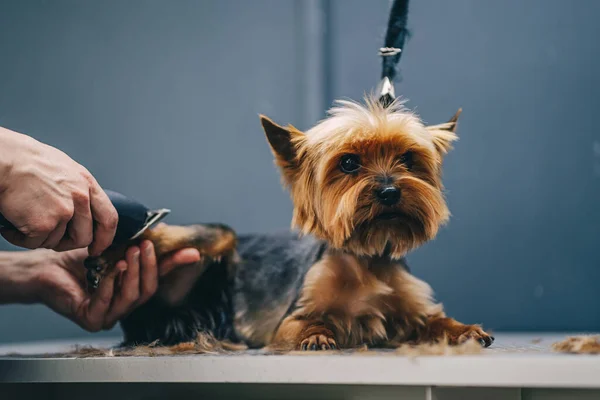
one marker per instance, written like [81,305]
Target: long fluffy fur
[343,282]
[311,173]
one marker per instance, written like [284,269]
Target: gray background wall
[159,99]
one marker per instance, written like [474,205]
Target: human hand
[53,201]
[62,284]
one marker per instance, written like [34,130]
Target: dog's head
[367,179]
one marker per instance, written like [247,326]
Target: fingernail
[136,256]
[148,249]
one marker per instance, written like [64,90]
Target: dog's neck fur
[369,262]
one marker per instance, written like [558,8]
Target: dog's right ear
[283,142]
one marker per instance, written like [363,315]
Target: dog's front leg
[417,318]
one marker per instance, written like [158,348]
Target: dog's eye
[407,159]
[349,163]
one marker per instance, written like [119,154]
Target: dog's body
[248,299]
[236,299]
[366,185]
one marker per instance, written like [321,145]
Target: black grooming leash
[392,51]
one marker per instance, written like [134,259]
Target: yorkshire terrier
[366,184]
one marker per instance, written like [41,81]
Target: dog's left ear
[283,141]
[444,134]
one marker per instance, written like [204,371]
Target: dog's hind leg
[190,300]
[215,242]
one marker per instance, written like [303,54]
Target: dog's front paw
[456,333]
[474,332]
[317,338]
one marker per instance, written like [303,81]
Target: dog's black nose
[388,195]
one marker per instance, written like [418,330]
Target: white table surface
[513,361]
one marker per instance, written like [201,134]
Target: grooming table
[517,366]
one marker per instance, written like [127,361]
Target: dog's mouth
[390,215]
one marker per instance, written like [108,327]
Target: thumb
[177,259]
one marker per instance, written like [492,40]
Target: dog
[366,185]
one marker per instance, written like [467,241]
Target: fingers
[80,228]
[96,308]
[65,228]
[181,257]
[55,236]
[105,219]
[46,237]
[138,284]
[18,239]
[22,240]
[37,225]
[129,290]
[148,273]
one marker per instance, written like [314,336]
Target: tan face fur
[337,170]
